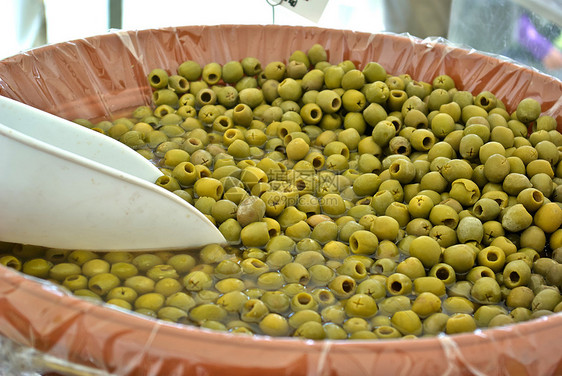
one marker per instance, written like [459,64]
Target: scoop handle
[75,138]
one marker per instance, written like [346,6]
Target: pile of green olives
[356,204]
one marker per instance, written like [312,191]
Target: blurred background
[528,31]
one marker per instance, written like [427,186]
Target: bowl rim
[29,287]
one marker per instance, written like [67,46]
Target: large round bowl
[106,75]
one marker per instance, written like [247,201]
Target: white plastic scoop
[65,186]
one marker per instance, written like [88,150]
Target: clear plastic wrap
[105,76]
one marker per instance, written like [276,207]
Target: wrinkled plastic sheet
[105,76]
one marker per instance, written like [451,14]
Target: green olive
[407,322]
[516,273]
[461,257]
[37,267]
[426,304]
[427,250]
[102,283]
[59,272]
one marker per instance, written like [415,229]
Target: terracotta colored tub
[106,75]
